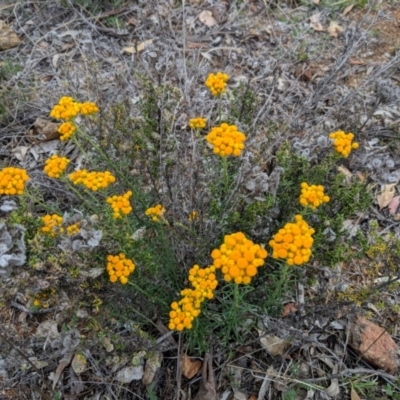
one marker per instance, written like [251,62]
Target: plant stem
[225,176]
[283,278]
[104,156]
[79,195]
[139,289]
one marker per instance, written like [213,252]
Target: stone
[373,344]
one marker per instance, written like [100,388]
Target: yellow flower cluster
[67,108]
[197,123]
[217,83]
[119,268]
[52,225]
[55,166]
[66,130]
[342,142]
[193,216]
[92,180]
[88,108]
[120,204]
[12,181]
[226,140]
[155,212]
[73,229]
[312,195]
[238,258]
[37,303]
[184,311]
[293,242]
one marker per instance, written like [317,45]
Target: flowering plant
[55,166]
[238,258]
[312,195]
[343,142]
[184,311]
[120,204]
[119,268]
[12,181]
[198,123]
[217,83]
[92,180]
[293,242]
[226,140]
[155,212]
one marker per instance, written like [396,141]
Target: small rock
[79,363]
[374,344]
[129,374]
[239,395]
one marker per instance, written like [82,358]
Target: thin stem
[225,176]
[79,195]
[139,289]
[104,156]
[283,278]
[143,316]
[236,296]
[219,108]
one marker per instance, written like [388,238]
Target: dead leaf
[64,362]
[153,364]
[386,195]
[137,49]
[303,73]
[19,152]
[289,308]
[47,329]
[207,55]
[190,367]
[273,344]
[394,203]
[334,29]
[196,45]
[360,176]
[43,130]
[354,395]
[315,1]
[333,389]
[315,24]
[206,17]
[348,175]
[207,389]
[55,60]
[8,38]
[354,61]
[347,9]
[76,382]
